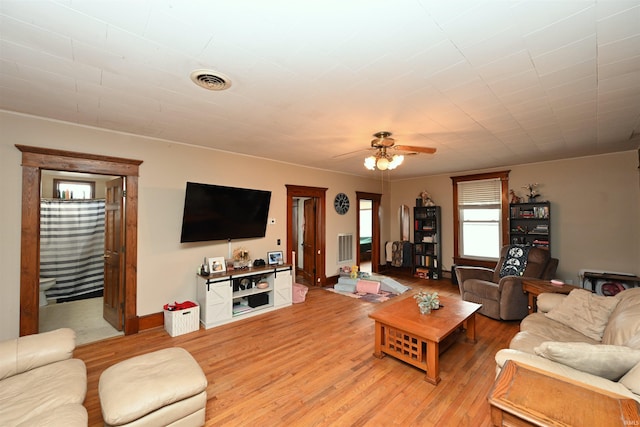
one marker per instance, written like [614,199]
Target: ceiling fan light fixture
[383,163]
[370,163]
[396,161]
[382,159]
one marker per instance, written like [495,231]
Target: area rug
[379,297]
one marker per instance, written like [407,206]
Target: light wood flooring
[312,364]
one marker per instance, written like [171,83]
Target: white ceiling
[488,83]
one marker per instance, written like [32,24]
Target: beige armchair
[502,298]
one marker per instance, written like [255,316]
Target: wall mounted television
[215,212]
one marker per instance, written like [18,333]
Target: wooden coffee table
[418,339]
[526,396]
[535,287]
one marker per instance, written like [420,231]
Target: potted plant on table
[427,301]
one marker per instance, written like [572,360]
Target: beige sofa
[40,383]
[587,338]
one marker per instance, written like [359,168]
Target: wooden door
[309,241]
[113,253]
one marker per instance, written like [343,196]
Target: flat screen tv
[215,212]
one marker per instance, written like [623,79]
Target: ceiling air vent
[210,80]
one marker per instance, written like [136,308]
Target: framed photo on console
[217,265]
[275,257]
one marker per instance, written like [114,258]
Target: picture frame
[275,257]
[217,265]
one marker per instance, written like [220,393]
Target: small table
[418,339]
[535,287]
[526,396]
[594,278]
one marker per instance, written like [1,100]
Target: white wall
[595,209]
[595,202]
[166,268]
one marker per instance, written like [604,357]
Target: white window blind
[478,193]
[479,204]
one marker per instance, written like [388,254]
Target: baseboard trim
[151,321]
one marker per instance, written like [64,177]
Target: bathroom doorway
[72,254]
[36,159]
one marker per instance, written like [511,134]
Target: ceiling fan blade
[362,151]
[426,150]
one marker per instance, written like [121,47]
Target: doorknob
[105,256]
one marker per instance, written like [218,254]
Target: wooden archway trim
[34,159]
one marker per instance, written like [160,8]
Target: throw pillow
[585,312]
[607,361]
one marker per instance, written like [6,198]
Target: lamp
[383,161]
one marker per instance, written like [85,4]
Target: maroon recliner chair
[502,298]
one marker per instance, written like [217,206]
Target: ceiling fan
[382,159]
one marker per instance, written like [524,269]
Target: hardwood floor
[312,364]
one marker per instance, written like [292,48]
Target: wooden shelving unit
[427,249]
[530,224]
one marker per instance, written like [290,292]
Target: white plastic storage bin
[179,322]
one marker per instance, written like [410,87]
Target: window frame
[503,176]
[57,182]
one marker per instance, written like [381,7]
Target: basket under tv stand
[233,295]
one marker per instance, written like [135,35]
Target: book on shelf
[541,212]
[540,229]
[423,260]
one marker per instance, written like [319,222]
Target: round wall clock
[341,203]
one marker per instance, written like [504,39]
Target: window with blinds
[479,209]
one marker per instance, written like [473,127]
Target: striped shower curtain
[71,246]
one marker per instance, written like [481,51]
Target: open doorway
[368,239]
[34,160]
[304,239]
[72,254]
[365,215]
[306,234]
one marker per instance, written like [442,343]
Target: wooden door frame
[375,228]
[294,191]
[34,159]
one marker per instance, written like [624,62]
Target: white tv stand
[222,299]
